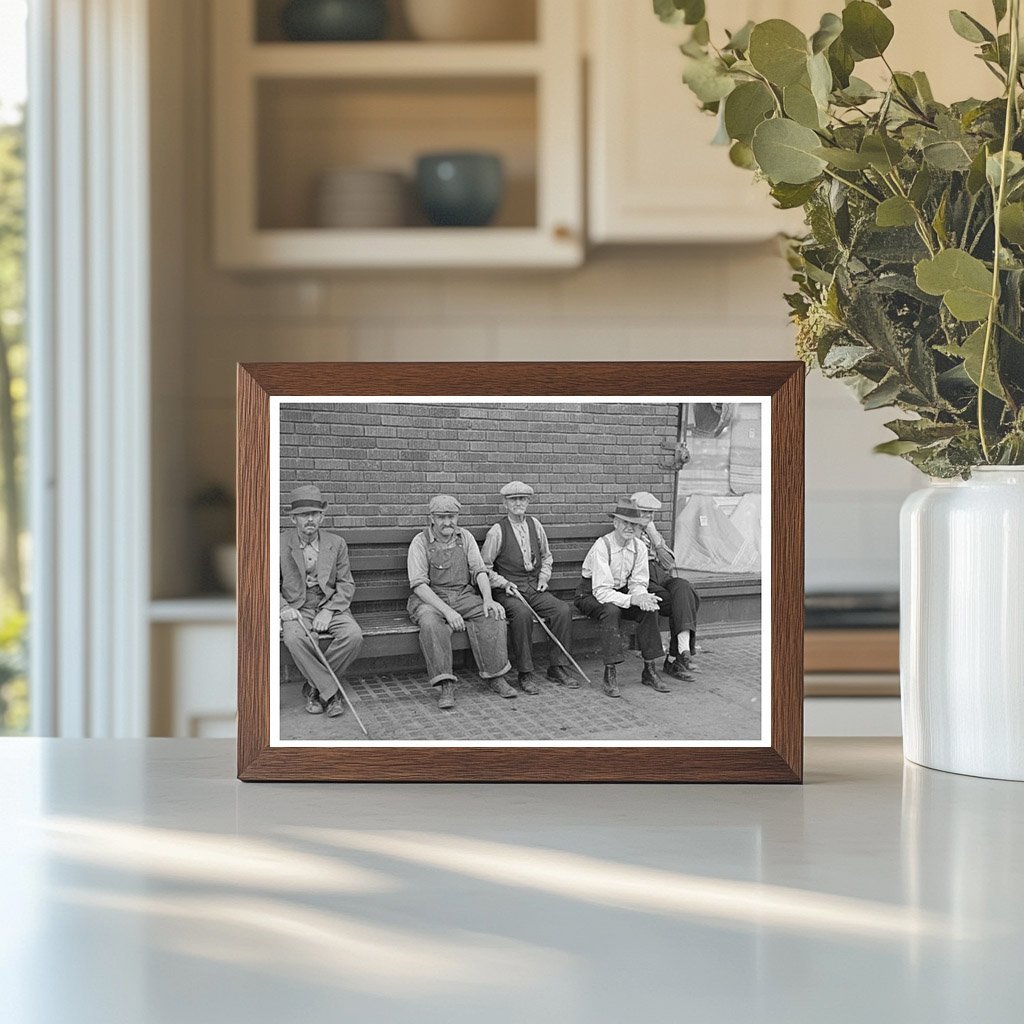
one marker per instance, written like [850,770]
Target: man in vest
[517,553]
[444,562]
[614,586]
[679,601]
[317,589]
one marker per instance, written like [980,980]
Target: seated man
[317,589]
[444,560]
[679,601]
[614,587]
[517,553]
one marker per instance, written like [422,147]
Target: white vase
[962,624]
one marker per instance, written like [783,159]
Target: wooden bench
[730,602]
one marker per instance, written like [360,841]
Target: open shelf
[519,17]
[287,113]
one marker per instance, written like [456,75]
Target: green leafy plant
[910,278]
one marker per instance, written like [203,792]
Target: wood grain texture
[781,762]
[852,650]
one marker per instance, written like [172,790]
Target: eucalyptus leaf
[676,12]
[885,394]
[866,29]
[971,352]
[895,447]
[994,167]
[739,41]
[895,212]
[883,153]
[788,196]
[946,156]
[741,155]
[999,8]
[841,60]
[963,281]
[707,80]
[820,76]
[745,108]
[701,33]
[969,28]
[976,173]
[785,152]
[829,30]
[844,159]
[924,88]
[1011,225]
[800,105]
[779,51]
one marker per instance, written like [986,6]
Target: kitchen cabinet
[653,175]
[287,113]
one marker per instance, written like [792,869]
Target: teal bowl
[333,21]
[462,190]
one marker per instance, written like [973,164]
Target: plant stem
[993,308]
[855,187]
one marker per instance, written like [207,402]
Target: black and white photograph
[520,571]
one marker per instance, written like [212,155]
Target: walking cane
[323,658]
[544,626]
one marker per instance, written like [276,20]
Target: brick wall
[378,464]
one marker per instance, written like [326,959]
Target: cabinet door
[653,175]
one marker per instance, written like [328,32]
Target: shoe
[677,669]
[336,706]
[446,699]
[526,683]
[501,688]
[687,659]
[650,677]
[560,676]
[611,684]
[313,705]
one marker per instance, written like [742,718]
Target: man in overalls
[613,587]
[516,551]
[679,601]
[444,561]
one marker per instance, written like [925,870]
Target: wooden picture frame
[777,756]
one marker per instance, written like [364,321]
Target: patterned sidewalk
[723,703]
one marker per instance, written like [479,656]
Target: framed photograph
[520,572]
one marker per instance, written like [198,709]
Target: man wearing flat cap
[317,589]
[679,601]
[444,562]
[614,586]
[517,553]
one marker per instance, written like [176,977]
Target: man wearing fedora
[614,586]
[444,563]
[317,589]
[517,553]
[679,601]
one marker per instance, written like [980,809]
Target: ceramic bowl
[470,20]
[460,189]
[334,20]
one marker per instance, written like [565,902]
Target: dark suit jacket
[333,572]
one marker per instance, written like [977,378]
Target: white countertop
[143,884]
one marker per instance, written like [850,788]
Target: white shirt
[627,568]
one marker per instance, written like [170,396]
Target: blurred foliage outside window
[14,706]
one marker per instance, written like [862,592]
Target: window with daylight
[14,704]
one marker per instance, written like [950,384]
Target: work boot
[501,688]
[560,676]
[446,698]
[687,659]
[526,683]
[677,668]
[650,677]
[313,705]
[611,684]
[336,706]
